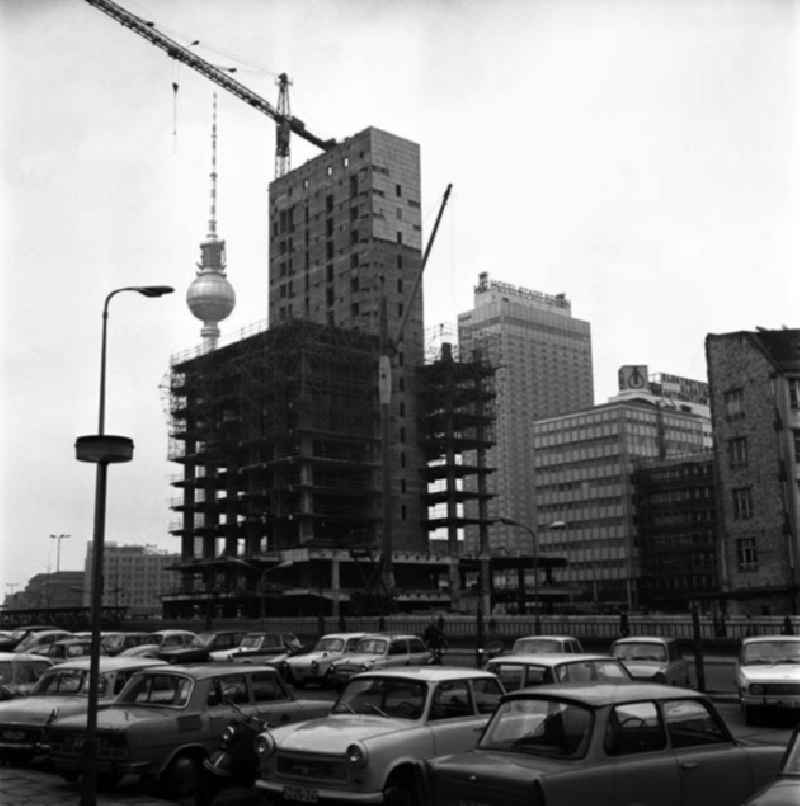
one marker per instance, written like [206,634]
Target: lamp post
[102,449]
[58,539]
[535,557]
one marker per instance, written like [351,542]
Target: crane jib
[176,51]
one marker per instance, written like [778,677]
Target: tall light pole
[535,558]
[102,449]
[58,539]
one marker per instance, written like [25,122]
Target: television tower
[211,297]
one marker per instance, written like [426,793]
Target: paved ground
[32,787]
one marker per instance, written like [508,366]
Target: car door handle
[689,765]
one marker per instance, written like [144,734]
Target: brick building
[754,379]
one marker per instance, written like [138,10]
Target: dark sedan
[611,744]
[202,645]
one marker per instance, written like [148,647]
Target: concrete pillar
[336,587]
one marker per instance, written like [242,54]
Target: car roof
[112,664]
[171,632]
[755,639]
[390,636]
[637,639]
[344,635]
[547,637]
[597,695]
[429,674]
[74,640]
[552,659]
[7,656]
[201,671]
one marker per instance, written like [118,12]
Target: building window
[399,285]
[796,435]
[402,409]
[746,554]
[329,250]
[402,434]
[398,190]
[734,404]
[399,308]
[742,503]
[354,283]
[402,460]
[737,451]
[399,261]
[354,236]
[329,227]
[354,309]
[354,186]
[329,170]
[329,273]
[402,512]
[402,485]
[354,260]
[305,184]
[794,393]
[399,237]
[329,203]
[346,162]
[354,213]
[399,213]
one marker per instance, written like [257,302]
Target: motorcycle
[230,772]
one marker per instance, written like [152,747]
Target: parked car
[38,643]
[14,637]
[641,743]
[519,671]
[169,719]
[201,647]
[380,652]
[653,658]
[69,648]
[268,647]
[161,640]
[61,690]
[116,642]
[373,745]
[539,644]
[785,789]
[19,672]
[768,675]
[314,666]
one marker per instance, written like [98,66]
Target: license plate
[300,794]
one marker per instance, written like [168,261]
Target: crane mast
[285,123]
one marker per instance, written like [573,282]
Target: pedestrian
[435,640]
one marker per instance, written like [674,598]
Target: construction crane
[285,122]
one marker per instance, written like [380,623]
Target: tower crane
[285,122]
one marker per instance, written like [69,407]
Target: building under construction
[278,435]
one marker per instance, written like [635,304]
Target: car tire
[181,778]
[397,795]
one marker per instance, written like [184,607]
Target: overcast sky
[640,157]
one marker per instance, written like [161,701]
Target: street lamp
[535,556]
[58,539]
[102,449]
[262,581]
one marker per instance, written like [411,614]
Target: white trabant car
[373,745]
[654,659]
[378,652]
[545,644]
[315,666]
[521,671]
[768,674]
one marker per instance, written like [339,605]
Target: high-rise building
[676,516]
[345,243]
[584,490]
[543,358]
[754,378]
[135,577]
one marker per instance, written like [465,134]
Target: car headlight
[227,735]
[356,755]
[756,689]
[264,745]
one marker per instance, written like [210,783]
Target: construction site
[326,466]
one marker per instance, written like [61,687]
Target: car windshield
[534,645]
[517,675]
[21,671]
[778,651]
[390,697]
[541,727]
[157,690]
[266,641]
[329,645]
[68,682]
[641,650]
[371,646]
